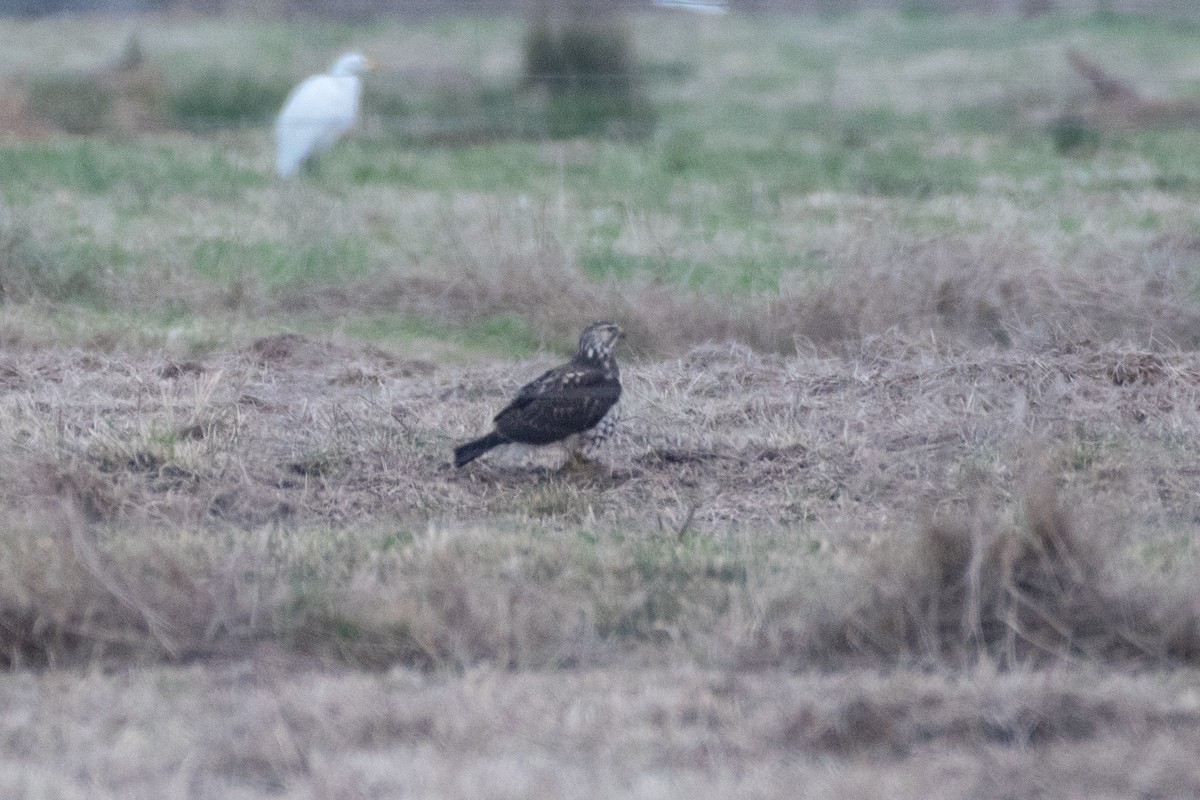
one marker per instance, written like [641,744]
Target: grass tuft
[73,102]
[1073,136]
[970,589]
[29,271]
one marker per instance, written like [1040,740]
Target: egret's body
[318,112]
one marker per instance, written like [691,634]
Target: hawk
[580,397]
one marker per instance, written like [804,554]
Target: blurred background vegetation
[757,175]
[364,10]
[580,77]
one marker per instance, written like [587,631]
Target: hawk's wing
[559,403]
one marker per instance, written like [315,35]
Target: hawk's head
[597,341]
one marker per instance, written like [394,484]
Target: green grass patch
[497,167]
[143,169]
[474,112]
[282,263]
[103,326]
[663,579]
[760,170]
[744,274]
[906,171]
[218,98]
[508,335]
[73,273]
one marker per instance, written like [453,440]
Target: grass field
[902,505]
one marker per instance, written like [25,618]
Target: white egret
[318,112]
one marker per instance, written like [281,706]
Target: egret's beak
[370,65]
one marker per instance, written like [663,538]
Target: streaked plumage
[578,398]
[318,112]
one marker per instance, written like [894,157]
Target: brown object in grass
[1118,104]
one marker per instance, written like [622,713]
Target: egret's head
[350,64]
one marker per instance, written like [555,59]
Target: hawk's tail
[472,450]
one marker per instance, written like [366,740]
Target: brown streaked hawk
[580,397]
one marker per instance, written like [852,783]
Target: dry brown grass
[743,599]
[970,589]
[259,728]
[994,289]
[1013,286]
[322,432]
[77,595]
[300,492]
[69,599]
[963,290]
